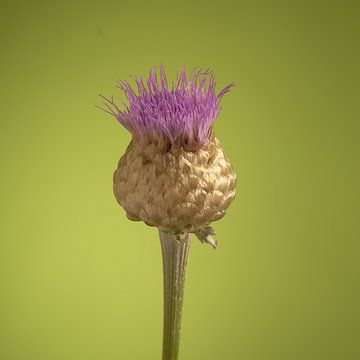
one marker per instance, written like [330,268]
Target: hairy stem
[175,254]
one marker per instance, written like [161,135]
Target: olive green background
[80,281]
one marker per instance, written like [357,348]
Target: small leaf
[206,235]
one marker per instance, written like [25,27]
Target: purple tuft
[183,113]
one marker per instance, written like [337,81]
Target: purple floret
[183,112]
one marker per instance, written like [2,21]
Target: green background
[80,281]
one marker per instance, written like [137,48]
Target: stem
[175,254]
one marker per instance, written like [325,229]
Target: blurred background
[80,281]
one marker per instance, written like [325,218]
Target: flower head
[181,113]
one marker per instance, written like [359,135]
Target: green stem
[175,254]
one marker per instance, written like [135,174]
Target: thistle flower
[174,174]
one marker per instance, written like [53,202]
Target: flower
[174,174]
[183,113]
